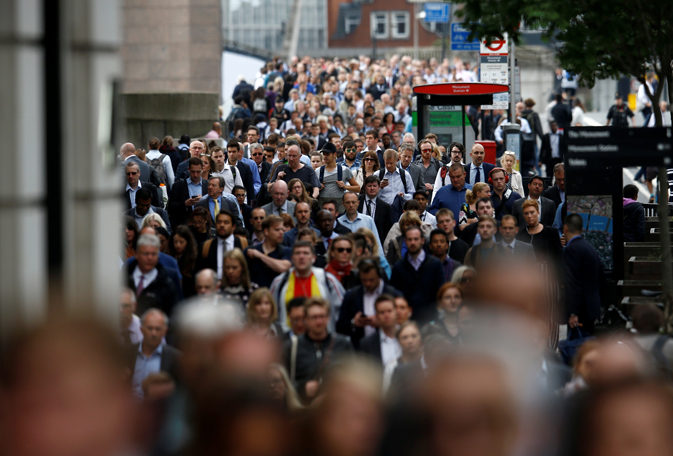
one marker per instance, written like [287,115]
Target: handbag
[567,348]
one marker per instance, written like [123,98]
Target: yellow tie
[217,208]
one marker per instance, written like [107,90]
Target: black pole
[53,131]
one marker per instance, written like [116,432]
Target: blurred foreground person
[63,393]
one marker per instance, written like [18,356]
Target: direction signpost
[459,39]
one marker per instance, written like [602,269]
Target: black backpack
[340,174]
[158,165]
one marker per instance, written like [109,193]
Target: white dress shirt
[132,193]
[390,348]
[429,218]
[223,245]
[372,206]
[554,139]
[368,301]
[147,278]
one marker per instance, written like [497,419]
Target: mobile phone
[385,179]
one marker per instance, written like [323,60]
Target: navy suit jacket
[226,204]
[177,211]
[486,167]
[248,181]
[183,170]
[353,303]
[583,278]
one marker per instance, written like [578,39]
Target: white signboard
[494,68]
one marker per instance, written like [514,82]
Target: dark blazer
[169,359]
[419,287]
[548,211]
[486,168]
[156,195]
[545,151]
[554,194]
[183,170]
[162,213]
[405,377]
[266,169]
[371,345]
[383,217]
[226,204]
[210,261]
[417,174]
[583,278]
[246,212]
[177,211]
[161,293]
[248,182]
[353,303]
[469,233]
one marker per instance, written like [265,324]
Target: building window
[352,22]
[379,25]
[399,24]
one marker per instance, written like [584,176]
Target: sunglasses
[343,249]
[351,150]
[257,155]
[369,159]
[131,174]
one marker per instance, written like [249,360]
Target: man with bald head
[127,155]
[279,204]
[478,171]
[196,148]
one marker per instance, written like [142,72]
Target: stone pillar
[172,45]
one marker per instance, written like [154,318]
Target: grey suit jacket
[144,167]
[548,211]
[418,176]
[522,251]
[271,209]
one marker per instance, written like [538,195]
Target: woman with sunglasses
[507,162]
[370,165]
[339,261]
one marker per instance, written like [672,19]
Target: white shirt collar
[128,186]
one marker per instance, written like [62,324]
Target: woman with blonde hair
[468,211]
[282,389]
[153,220]
[262,313]
[507,162]
[235,283]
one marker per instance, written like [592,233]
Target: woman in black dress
[547,245]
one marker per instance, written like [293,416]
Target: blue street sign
[437,12]
[459,41]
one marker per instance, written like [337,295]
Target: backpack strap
[322,174]
[340,173]
[403,175]
[293,356]
[206,248]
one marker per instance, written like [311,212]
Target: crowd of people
[316,285]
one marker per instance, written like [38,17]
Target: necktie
[369,208]
[217,209]
[280,211]
[479,175]
[511,248]
[141,285]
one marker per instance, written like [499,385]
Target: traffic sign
[498,46]
[437,12]
[459,38]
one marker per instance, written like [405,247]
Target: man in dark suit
[478,171]
[257,155]
[583,277]
[357,315]
[382,345]
[196,148]
[152,356]
[144,207]
[547,206]
[186,193]
[418,276]
[416,172]
[553,146]
[134,183]
[148,278]
[217,201]
[246,211]
[562,112]
[215,248]
[375,207]
[557,193]
[520,250]
[234,154]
